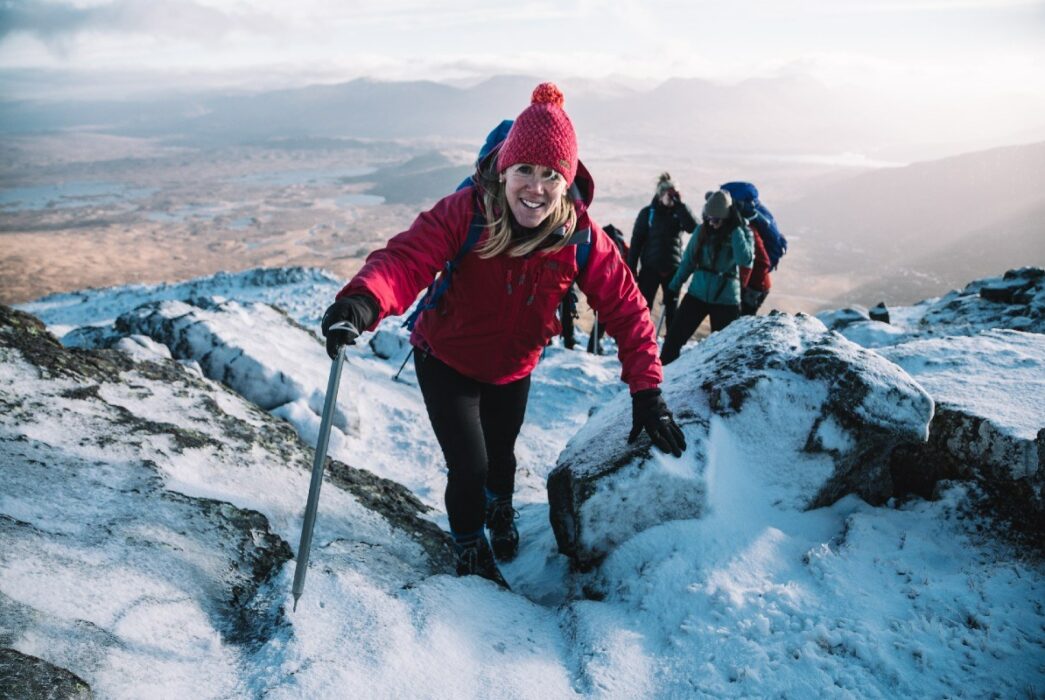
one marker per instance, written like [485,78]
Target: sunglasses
[714,220]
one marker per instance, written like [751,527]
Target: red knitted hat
[542,135]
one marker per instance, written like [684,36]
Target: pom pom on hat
[664,183]
[548,93]
[717,204]
[543,135]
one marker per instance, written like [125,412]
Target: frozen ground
[912,599]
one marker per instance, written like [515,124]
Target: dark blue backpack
[745,198]
[475,229]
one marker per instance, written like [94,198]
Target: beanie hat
[542,135]
[717,204]
[664,183]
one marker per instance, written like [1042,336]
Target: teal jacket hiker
[715,263]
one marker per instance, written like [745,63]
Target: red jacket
[759,278]
[499,313]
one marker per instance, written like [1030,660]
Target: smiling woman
[476,345]
[530,178]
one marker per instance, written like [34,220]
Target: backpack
[745,199]
[617,236]
[475,229]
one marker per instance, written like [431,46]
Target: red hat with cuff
[542,135]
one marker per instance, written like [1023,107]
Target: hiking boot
[474,558]
[500,521]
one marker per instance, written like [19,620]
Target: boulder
[387,344]
[24,676]
[879,312]
[827,411]
[840,318]
[989,390]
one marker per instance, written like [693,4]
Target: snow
[995,374]
[744,598]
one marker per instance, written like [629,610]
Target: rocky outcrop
[879,312]
[137,494]
[388,344]
[300,291]
[989,424]
[25,676]
[840,318]
[1016,301]
[838,409]
[255,349]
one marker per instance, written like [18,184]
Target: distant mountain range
[922,229]
[792,115]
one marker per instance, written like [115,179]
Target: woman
[475,349]
[714,255]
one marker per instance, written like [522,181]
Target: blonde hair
[499,222]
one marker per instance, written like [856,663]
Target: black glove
[676,198]
[357,310]
[649,411]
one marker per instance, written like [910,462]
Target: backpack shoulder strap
[583,253]
[442,283]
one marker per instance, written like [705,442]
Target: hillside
[845,521]
[906,233]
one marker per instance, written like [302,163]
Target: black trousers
[567,314]
[751,300]
[692,312]
[649,281]
[476,425]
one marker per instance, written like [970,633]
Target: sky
[115,48]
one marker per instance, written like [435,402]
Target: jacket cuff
[638,386]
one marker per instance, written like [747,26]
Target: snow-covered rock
[756,598]
[253,348]
[879,312]
[840,318]
[990,422]
[388,344]
[1015,301]
[300,291]
[831,411]
[158,507]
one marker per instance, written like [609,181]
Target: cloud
[60,21]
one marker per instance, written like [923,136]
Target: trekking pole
[317,466]
[396,377]
[663,313]
[596,346]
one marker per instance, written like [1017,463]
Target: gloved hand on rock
[649,412]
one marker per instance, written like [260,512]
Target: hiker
[656,244]
[595,338]
[475,347]
[770,244]
[716,252]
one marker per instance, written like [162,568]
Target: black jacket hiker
[656,250]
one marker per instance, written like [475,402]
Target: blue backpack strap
[651,208]
[583,252]
[442,283]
